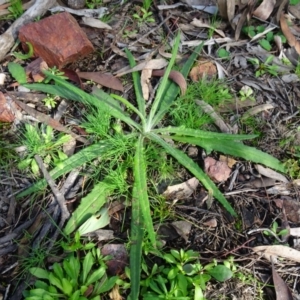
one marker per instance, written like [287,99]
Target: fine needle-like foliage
[145,131]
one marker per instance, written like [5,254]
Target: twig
[239,247]
[59,197]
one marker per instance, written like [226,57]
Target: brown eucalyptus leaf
[281,289]
[104,79]
[288,34]
[265,9]
[175,76]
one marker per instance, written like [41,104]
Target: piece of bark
[55,46]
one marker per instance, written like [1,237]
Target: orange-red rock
[57,39]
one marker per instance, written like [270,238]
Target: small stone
[57,39]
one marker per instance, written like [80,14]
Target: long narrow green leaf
[235,149]
[189,164]
[69,91]
[204,134]
[163,85]
[141,194]
[172,90]
[137,220]
[137,84]
[73,162]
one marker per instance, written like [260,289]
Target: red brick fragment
[57,39]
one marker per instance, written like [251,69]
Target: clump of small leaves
[181,276]
[73,279]
[42,142]
[264,68]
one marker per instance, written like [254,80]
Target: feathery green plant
[143,132]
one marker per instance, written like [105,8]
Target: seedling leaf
[220,273]
[17,72]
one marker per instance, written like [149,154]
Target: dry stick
[50,121]
[7,39]
[239,247]
[59,197]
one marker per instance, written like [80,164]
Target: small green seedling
[73,279]
[91,4]
[50,101]
[181,276]
[264,68]
[43,143]
[294,2]
[55,71]
[143,15]
[268,40]
[276,230]
[15,9]
[246,93]
[222,53]
[27,55]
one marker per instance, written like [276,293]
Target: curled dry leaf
[104,79]
[288,34]
[158,63]
[182,190]
[183,228]
[278,251]
[265,9]
[145,82]
[211,223]
[175,76]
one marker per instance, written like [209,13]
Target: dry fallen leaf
[282,290]
[182,190]
[104,79]
[288,34]
[183,228]
[265,9]
[278,251]
[267,172]
[228,160]
[175,76]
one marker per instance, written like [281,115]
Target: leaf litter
[273,117]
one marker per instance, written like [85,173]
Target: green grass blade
[189,164]
[235,149]
[137,84]
[89,205]
[141,194]
[69,91]
[139,198]
[129,105]
[73,162]
[172,90]
[163,85]
[204,134]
